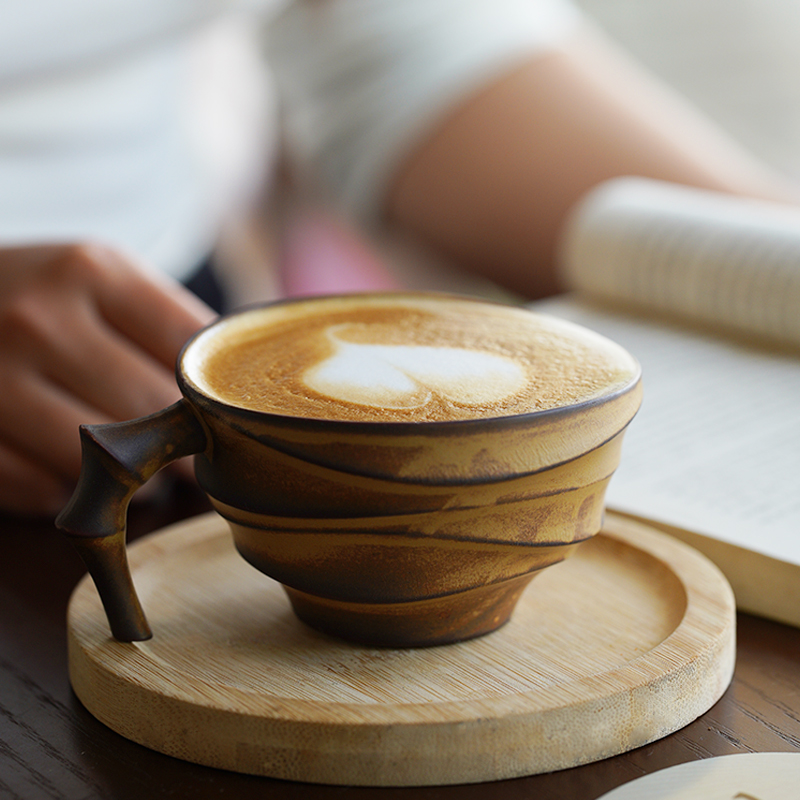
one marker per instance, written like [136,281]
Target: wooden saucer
[628,640]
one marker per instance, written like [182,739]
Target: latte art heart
[409,376]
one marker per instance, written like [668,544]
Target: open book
[705,291]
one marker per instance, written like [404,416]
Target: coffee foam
[402,358]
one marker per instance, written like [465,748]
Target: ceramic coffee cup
[413,462]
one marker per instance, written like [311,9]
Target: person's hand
[86,336]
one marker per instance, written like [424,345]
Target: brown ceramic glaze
[387,533]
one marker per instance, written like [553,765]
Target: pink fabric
[322,256]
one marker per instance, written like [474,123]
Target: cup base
[421,623]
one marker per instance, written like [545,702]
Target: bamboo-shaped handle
[117,459]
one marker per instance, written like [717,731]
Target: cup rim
[194,392]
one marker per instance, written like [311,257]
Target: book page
[715,448]
[726,261]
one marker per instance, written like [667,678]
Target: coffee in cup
[402,359]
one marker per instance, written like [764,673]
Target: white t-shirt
[141,123]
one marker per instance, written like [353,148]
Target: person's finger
[41,421]
[27,488]
[152,310]
[155,312]
[70,344]
[108,372]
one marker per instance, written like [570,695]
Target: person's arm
[491,185]
[476,126]
[86,335]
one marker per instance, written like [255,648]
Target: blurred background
[739,60]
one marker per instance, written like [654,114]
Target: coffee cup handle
[118,458]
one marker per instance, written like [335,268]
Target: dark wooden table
[51,747]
